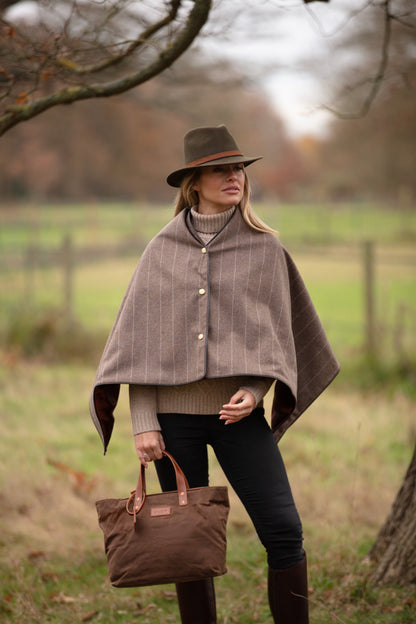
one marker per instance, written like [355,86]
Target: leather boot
[288,594]
[196,601]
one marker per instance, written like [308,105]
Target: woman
[215,313]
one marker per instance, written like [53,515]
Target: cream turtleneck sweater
[201,397]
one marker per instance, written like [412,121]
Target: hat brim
[175,178]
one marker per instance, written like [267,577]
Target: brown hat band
[195,163]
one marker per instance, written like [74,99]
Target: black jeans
[251,461]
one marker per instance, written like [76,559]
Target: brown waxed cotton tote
[169,537]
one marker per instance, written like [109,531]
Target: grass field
[100,223]
[325,242]
[346,457]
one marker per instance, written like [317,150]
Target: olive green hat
[208,146]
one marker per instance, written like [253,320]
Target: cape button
[204,250]
[201,291]
[200,336]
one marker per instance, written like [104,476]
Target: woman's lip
[233,189]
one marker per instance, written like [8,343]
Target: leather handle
[138,496]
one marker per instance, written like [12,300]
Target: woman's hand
[240,405]
[149,446]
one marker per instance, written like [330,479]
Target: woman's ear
[196,187]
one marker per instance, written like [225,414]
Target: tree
[394,551]
[372,46]
[373,156]
[46,158]
[373,144]
[81,50]
[73,50]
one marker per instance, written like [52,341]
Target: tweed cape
[235,306]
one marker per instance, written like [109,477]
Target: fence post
[68,274]
[370,324]
[31,261]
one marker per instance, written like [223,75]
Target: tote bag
[168,537]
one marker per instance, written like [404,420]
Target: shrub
[47,334]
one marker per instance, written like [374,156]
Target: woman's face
[219,187]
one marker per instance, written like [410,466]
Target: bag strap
[138,496]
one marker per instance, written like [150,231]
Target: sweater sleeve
[258,386]
[143,408]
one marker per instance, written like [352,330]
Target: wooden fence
[68,259]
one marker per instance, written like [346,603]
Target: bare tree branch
[143,38]
[378,77]
[170,50]
[354,13]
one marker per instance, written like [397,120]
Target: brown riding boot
[288,594]
[196,601]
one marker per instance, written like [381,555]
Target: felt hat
[204,147]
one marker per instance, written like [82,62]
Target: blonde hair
[188,197]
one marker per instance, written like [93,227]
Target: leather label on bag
[160,511]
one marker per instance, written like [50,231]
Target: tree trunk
[395,548]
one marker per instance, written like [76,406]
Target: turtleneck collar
[212,223]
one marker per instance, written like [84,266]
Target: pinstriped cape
[234,306]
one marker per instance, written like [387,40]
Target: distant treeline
[124,147]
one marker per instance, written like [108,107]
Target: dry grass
[346,458]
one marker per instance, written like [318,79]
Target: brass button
[201,291]
[203,250]
[200,336]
